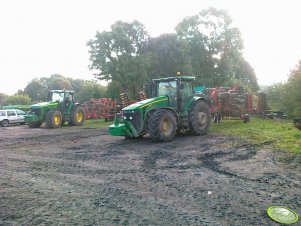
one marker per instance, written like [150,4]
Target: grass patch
[279,135]
[97,123]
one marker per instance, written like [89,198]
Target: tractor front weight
[123,128]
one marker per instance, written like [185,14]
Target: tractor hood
[157,101]
[45,105]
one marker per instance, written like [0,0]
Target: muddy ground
[77,176]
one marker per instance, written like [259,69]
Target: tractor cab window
[167,88]
[67,100]
[185,89]
[58,97]
[185,93]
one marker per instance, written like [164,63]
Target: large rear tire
[77,117]
[162,125]
[199,118]
[53,119]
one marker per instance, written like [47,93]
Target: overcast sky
[40,38]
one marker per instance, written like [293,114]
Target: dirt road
[76,176]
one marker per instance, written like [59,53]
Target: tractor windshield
[57,97]
[167,88]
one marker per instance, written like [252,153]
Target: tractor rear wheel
[53,119]
[199,118]
[77,117]
[162,125]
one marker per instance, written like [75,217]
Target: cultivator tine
[124,99]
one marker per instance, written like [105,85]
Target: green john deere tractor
[172,107]
[61,108]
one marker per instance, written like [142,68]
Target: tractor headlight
[128,115]
[132,116]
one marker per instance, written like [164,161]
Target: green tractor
[61,108]
[172,107]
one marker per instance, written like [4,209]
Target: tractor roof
[181,78]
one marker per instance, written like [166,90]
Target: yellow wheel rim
[166,126]
[56,120]
[79,117]
[202,118]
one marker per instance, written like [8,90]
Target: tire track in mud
[92,179]
[41,136]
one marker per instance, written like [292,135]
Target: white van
[11,116]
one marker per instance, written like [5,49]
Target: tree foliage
[245,74]
[90,90]
[37,89]
[215,49]
[58,81]
[167,56]
[17,99]
[286,96]
[117,55]
[205,45]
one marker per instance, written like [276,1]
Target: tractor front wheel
[199,118]
[162,125]
[53,119]
[77,117]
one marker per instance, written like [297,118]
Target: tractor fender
[166,108]
[58,109]
[173,111]
[198,99]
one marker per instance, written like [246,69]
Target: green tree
[90,90]
[59,82]
[201,62]
[17,100]
[245,74]
[76,84]
[294,87]
[36,90]
[215,48]
[113,90]
[2,99]
[167,56]
[286,96]
[118,57]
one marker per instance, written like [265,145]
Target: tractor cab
[63,97]
[60,95]
[179,90]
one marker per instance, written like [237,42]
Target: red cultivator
[229,102]
[100,108]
